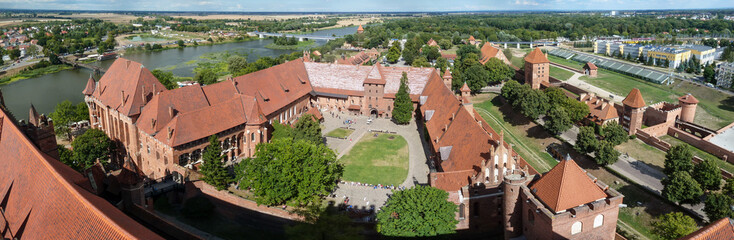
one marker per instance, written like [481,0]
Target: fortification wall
[200,187]
[702,144]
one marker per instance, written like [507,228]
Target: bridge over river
[537,43]
[96,69]
[300,37]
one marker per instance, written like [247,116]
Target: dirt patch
[110,17]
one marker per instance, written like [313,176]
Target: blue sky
[359,5]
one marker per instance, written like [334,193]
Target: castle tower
[512,204]
[360,29]
[465,101]
[447,79]
[633,111]
[688,105]
[537,68]
[40,130]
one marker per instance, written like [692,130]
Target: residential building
[488,52]
[724,74]
[590,69]
[674,56]
[704,54]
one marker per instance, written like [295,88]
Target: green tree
[707,174]
[309,130]
[205,77]
[212,167]
[728,188]
[558,121]
[421,62]
[66,157]
[576,110]
[709,74]
[509,90]
[445,44]
[678,158]
[674,225]
[402,110]
[476,77]
[165,78]
[236,64]
[14,54]
[393,55]
[508,54]
[680,187]
[606,154]
[441,64]
[431,52]
[180,43]
[91,146]
[614,133]
[281,130]
[533,103]
[411,50]
[586,141]
[718,206]
[63,115]
[421,211]
[498,71]
[288,171]
[82,111]
[31,50]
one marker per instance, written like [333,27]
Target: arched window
[461,211]
[598,220]
[576,228]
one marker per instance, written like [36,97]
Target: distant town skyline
[360,6]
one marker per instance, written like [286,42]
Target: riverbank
[299,46]
[141,49]
[25,74]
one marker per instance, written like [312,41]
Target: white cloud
[526,3]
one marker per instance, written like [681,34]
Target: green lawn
[377,160]
[560,74]
[565,62]
[643,152]
[700,153]
[716,109]
[340,133]
[530,150]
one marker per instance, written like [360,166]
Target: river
[46,91]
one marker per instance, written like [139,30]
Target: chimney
[142,94]
[127,63]
[502,137]
[171,111]
[122,97]
[170,132]
[603,104]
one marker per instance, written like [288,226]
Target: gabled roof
[688,98]
[201,123]
[590,66]
[432,42]
[488,52]
[156,114]
[722,229]
[634,99]
[124,84]
[447,73]
[536,56]
[267,83]
[471,38]
[89,89]
[44,199]
[566,186]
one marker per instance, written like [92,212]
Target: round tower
[688,105]
[512,205]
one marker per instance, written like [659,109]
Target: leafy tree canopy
[558,121]
[606,154]
[718,206]
[402,110]
[680,187]
[498,71]
[614,133]
[166,78]
[417,212]
[213,168]
[678,158]
[674,225]
[707,174]
[288,171]
[586,141]
[90,146]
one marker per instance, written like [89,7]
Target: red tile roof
[634,99]
[156,114]
[590,66]
[432,42]
[722,229]
[465,88]
[688,98]
[89,89]
[536,56]
[270,83]
[566,186]
[43,199]
[488,52]
[600,109]
[447,73]
[124,86]
[471,38]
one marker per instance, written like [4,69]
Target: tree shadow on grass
[727,104]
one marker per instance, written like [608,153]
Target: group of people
[378,186]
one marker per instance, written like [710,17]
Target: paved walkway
[575,81]
[361,196]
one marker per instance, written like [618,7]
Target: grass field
[564,62]
[377,160]
[560,74]
[700,153]
[528,147]
[299,46]
[715,109]
[643,152]
[340,133]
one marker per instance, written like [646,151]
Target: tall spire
[33,116]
